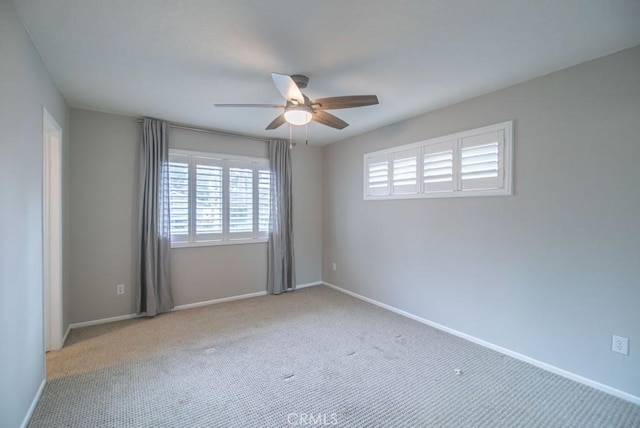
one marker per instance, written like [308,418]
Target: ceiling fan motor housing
[300,80]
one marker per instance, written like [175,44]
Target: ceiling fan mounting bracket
[300,80]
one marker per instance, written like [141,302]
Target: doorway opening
[52,231]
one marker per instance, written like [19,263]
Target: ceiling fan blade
[250,105]
[287,88]
[328,119]
[277,122]
[348,101]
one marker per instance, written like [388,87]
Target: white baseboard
[177,308]
[548,367]
[232,298]
[103,321]
[216,301]
[27,417]
[308,284]
[66,334]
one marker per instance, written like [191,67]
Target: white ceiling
[173,59]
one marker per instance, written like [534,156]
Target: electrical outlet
[620,345]
[334,266]
[120,289]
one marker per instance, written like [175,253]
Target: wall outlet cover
[620,345]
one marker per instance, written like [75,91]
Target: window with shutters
[218,199]
[471,163]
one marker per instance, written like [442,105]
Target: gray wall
[307,212]
[25,87]
[551,272]
[104,190]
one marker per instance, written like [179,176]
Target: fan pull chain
[306,134]
[290,137]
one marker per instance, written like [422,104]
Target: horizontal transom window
[471,163]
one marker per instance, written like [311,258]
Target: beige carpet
[314,357]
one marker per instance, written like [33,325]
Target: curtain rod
[212,131]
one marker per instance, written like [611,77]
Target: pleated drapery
[280,259]
[155,224]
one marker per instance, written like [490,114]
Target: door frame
[52,231]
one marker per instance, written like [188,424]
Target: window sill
[443,194]
[218,243]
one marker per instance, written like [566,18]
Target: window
[218,199]
[470,163]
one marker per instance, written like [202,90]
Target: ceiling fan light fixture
[298,115]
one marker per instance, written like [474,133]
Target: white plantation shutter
[179,197]
[264,199]
[218,199]
[405,172]
[378,181]
[481,161]
[240,199]
[438,174]
[208,199]
[469,163]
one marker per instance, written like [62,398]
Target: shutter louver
[378,176]
[405,172]
[480,161]
[264,200]
[208,218]
[179,197]
[438,171]
[240,200]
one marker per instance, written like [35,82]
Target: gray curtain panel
[155,230]
[281,272]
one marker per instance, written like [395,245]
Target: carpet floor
[314,357]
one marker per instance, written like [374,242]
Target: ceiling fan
[300,110]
